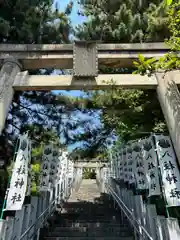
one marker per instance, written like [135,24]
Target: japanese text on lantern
[18,184]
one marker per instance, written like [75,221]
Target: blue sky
[74,16]
[75,19]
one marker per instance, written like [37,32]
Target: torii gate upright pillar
[169,98]
[9,70]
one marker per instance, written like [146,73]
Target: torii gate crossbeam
[85,58]
[60,56]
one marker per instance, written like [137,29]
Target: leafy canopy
[169,61]
[125,113]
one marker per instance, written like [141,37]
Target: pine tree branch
[15,126]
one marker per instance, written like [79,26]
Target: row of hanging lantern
[56,169]
[149,164]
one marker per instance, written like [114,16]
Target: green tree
[33,21]
[170,60]
[129,113]
[123,21]
[29,22]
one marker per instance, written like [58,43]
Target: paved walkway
[88,191]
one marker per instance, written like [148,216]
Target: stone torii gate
[85,58]
[92,165]
[89,164]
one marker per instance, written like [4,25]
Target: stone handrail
[138,228]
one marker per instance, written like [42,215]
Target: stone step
[86,204]
[84,229]
[87,223]
[84,218]
[92,225]
[93,233]
[108,227]
[94,211]
[89,210]
[97,207]
[89,204]
[89,238]
[85,213]
[88,215]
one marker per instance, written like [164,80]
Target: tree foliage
[127,113]
[43,113]
[89,173]
[169,61]
[30,22]
[168,2]
[33,21]
[123,21]
[131,113]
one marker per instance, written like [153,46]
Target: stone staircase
[88,215]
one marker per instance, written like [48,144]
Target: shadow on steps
[81,219]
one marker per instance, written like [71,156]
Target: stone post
[18,222]
[25,223]
[161,228]
[169,98]
[47,200]
[173,228]
[44,201]
[57,193]
[131,200]
[139,208]
[10,226]
[151,216]
[33,216]
[6,228]
[3,226]
[9,70]
[40,206]
[39,210]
